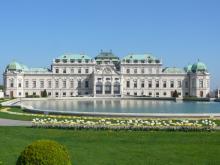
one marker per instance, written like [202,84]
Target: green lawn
[118,148]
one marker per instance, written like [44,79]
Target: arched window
[116,88]
[108,88]
[99,88]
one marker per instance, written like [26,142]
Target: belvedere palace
[105,75]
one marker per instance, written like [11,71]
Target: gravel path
[9,122]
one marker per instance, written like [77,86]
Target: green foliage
[175,94]
[44,93]
[44,152]
[1,87]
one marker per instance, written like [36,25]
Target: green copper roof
[188,68]
[140,57]
[74,57]
[38,70]
[199,67]
[173,70]
[107,55]
[14,66]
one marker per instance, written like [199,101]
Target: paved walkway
[9,122]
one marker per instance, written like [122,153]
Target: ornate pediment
[106,70]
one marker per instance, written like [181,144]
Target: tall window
[57,84]
[26,84]
[41,84]
[57,70]
[79,83]
[149,84]
[186,84]
[64,70]
[128,71]
[71,84]
[200,83]
[86,84]
[157,84]
[72,70]
[34,84]
[179,84]
[135,83]
[164,84]
[171,84]
[135,70]
[79,70]
[64,83]
[87,70]
[142,84]
[142,70]
[128,84]
[49,84]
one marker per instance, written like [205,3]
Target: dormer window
[72,60]
[135,61]
[64,60]
[79,61]
[127,61]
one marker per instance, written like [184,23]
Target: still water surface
[124,106]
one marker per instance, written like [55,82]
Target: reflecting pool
[123,106]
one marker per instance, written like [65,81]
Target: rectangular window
[135,93]
[150,84]
[200,83]
[157,84]
[41,84]
[135,70]
[19,85]
[128,70]
[164,84]
[26,84]
[34,84]
[72,70]
[71,84]
[64,94]
[57,94]
[49,93]
[64,84]
[135,83]
[49,84]
[142,84]
[87,70]
[64,70]
[57,70]
[79,83]
[142,70]
[179,84]
[57,84]
[79,70]
[171,84]
[186,84]
[86,84]
[128,84]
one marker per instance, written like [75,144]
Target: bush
[44,152]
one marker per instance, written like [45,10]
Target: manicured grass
[123,147]
[4,115]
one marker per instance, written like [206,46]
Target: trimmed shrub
[44,152]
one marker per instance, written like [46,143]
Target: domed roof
[14,66]
[199,67]
[188,68]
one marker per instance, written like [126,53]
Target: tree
[44,93]
[175,94]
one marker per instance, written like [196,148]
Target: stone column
[112,88]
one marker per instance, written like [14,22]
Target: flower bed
[124,124]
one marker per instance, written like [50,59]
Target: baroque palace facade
[106,75]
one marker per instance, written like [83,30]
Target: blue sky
[34,32]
